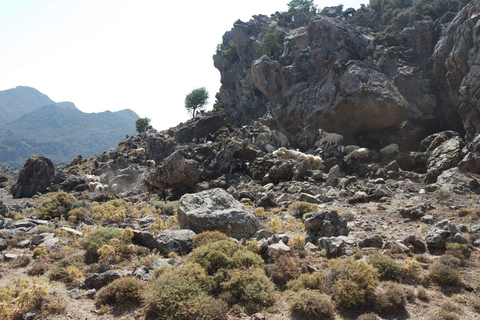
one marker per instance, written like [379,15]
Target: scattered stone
[74,294]
[374,241]
[279,246]
[39,238]
[263,234]
[100,280]
[72,231]
[30,315]
[336,246]
[442,233]
[325,224]
[167,241]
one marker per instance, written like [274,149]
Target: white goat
[349,148]
[314,161]
[93,185]
[140,151]
[286,154]
[330,138]
[389,150]
[357,154]
[114,187]
[150,163]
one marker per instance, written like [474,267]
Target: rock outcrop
[36,176]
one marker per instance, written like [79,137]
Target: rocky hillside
[350,80]
[38,126]
[251,211]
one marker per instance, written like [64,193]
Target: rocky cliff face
[335,76]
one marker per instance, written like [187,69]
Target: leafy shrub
[38,268]
[389,296]
[208,237]
[388,269]
[169,208]
[216,255]
[40,252]
[311,304]
[20,297]
[300,208]
[251,288]
[110,211]
[57,205]
[272,42]
[354,282]
[77,214]
[122,290]
[67,271]
[101,236]
[314,281]
[172,295]
[297,242]
[246,259]
[444,271]
[284,268]
[164,224]
[459,250]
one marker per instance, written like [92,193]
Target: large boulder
[35,177]
[200,128]
[177,172]
[444,151]
[215,209]
[159,146]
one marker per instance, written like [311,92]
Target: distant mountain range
[33,124]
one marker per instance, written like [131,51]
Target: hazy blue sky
[146,55]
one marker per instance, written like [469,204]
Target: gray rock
[36,176]
[263,234]
[51,244]
[167,241]
[215,209]
[74,294]
[3,244]
[141,273]
[39,238]
[418,245]
[374,241]
[90,293]
[335,246]
[475,229]
[279,246]
[443,232]
[325,224]
[161,262]
[30,315]
[311,247]
[72,231]
[99,280]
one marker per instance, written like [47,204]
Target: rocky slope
[38,126]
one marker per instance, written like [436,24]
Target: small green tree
[272,43]
[141,124]
[196,100]
[302,5]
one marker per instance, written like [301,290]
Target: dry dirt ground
[364,220]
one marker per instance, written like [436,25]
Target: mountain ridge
[59,131]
